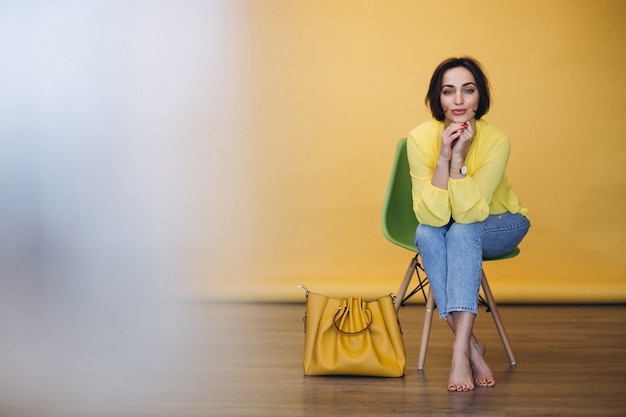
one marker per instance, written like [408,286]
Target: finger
[453,133]
[459,131]
[467,134]
[450,137]
[455,127]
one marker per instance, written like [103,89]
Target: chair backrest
[399,222]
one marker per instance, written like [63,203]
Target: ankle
[462,346]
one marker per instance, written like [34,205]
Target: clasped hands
[456,140]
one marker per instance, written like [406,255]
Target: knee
[425,234]
[464,232]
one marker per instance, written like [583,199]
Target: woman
[464,203]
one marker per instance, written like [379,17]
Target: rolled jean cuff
[463,309]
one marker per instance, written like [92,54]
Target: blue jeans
[453,256]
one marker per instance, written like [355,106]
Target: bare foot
[483,377]
[460,372]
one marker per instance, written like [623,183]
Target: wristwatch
[462,170]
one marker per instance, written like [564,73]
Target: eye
[447,91]
[470,90]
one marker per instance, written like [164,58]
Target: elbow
[433,222]
[475,215]
[429,218]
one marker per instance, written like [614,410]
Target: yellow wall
[333,85]
[233,149]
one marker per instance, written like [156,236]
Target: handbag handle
[341,312]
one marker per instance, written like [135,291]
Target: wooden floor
[246,360]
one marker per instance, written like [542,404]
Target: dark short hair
[433,97]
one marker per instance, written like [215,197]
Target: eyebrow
[464,85]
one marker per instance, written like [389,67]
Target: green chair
[399,224]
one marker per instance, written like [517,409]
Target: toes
[484,382]
[460,387]
[455,387]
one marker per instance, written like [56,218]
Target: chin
[459,119]
[464,119]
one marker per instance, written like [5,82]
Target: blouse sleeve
[470,197]
[430,204]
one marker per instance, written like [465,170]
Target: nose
[458,97]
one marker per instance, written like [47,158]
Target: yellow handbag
[352,337]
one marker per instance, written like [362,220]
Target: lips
[459,112]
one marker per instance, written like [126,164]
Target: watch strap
[461,170]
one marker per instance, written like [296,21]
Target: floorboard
[246,360]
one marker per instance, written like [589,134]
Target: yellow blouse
[485,190]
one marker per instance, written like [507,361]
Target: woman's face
[459,95]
